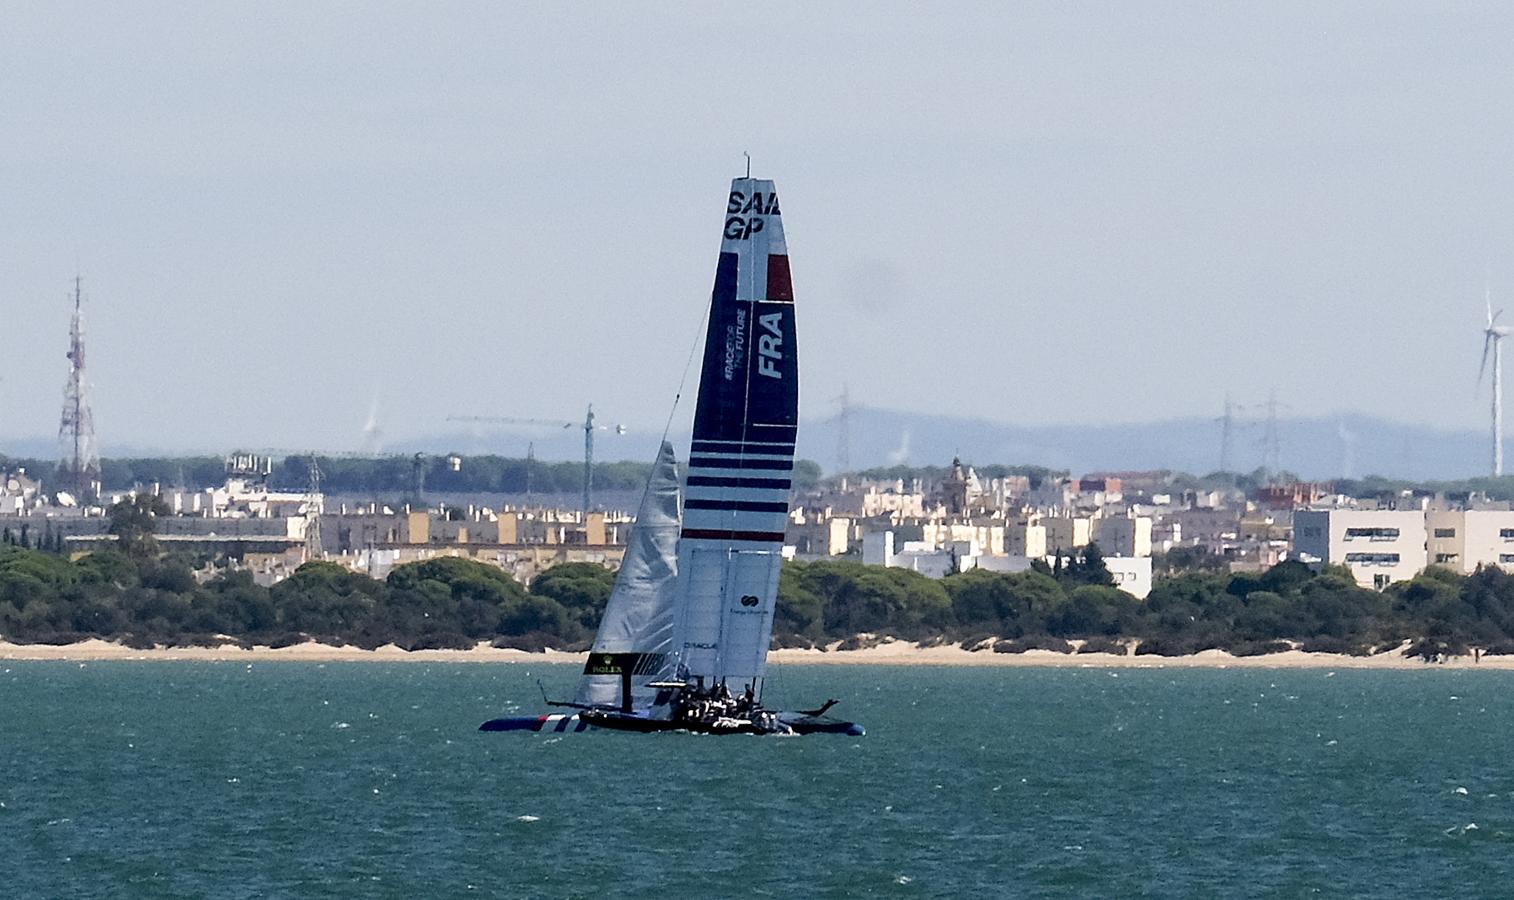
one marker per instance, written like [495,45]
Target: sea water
[290,779]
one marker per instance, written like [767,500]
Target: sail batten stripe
[723,534]
[756,432]
[711,462]
[775,448]
[737,505]
[778,484]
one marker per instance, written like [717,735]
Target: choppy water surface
[169,779]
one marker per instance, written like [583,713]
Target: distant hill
[1321,447]
[1325,447]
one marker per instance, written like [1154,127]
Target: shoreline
[888,653]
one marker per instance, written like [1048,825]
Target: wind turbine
[1493,336]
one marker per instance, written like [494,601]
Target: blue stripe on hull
[555,723]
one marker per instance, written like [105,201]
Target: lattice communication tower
[80,468]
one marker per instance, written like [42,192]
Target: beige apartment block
[1379,546]
[1462,540]
[818,535]
[1027,539]
[1067,533]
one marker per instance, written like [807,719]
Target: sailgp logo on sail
[735,344]
[740,224]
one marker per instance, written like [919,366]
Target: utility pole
[530,464]
[76,427]
[1227,431]
[418,478]
[588,462]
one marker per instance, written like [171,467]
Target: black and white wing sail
[742,457]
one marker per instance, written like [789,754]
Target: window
[1373,559]
[1505,558]
[1445,532]
[1380,581]
[1385,534]
[1442,558]
[1506,533]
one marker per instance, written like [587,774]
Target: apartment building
[1379,546]
[1462,540]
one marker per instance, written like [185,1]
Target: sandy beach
[888,653]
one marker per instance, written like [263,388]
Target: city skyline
[287,221]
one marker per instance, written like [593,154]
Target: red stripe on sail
[780,286]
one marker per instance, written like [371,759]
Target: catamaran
[684,639]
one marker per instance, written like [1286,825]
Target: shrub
[1431,650]
[1328,644]
[1171,646]
[978,641]
[1259,648]
[531,642]
[791,641]
[860,642]
[1103,645]
[1033,642]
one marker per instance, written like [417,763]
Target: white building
[1462,540]
[1380,546]
[1131,574]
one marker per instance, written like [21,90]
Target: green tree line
[378,476]
[135,594]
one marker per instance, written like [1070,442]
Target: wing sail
[742,457]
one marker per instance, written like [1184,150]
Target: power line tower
[1272,443]
[313,510]
[80,471]
[844,431]
[1227,432]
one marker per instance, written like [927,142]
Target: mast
[1498,406]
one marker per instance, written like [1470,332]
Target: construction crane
[587,425]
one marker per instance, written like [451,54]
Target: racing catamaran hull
[797,723]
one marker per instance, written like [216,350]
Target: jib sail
[634,645]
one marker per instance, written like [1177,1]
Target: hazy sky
[1051,213]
